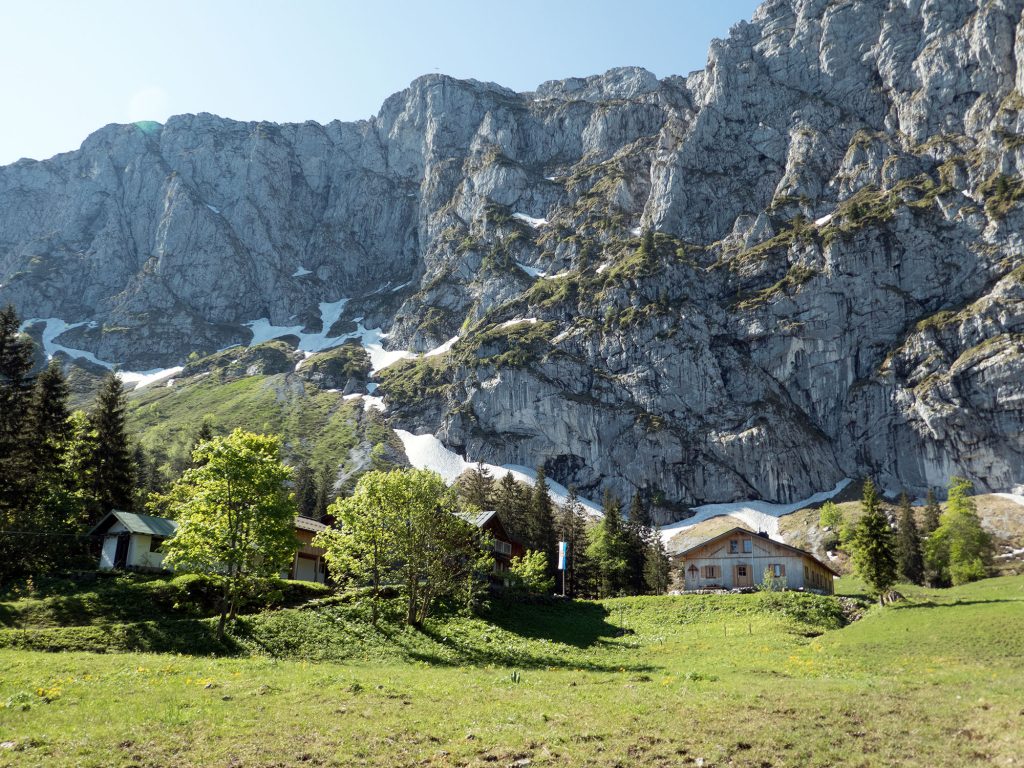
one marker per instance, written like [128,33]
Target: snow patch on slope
[535,223]
[427,452]
[756,515]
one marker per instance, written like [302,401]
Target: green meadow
[711,680]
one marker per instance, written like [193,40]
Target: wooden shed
[739,558]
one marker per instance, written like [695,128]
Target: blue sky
[72,66]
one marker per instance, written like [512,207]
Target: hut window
[741,570]
[734,547]
[748,546]
[710,572]
[155,542]
[807,573]
[778,570]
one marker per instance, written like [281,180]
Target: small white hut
[132,541]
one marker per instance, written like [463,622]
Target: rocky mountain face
[799,264]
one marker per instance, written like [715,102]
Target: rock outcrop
[801,263]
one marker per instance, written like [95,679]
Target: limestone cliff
[801,263]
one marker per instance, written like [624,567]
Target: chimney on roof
[763,534]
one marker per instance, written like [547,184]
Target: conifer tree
[637,536]
[657,567]
[476,487]
[325,494]
[872,544]
[15,398]
[607,550]
[511,499]
[305,490]
[541,520]
[931,514]
[908,544]
[572,529]
[111,458]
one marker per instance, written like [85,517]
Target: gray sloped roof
[138,523]
[479,519]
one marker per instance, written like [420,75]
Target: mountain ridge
[797,265]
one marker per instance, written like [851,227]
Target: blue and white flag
[563,553]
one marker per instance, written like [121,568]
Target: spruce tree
[15,400]
[873,545]
[932,513]
[325,493]
[511,499]
[572,529]
[637,536]
[476,487]
[608,549]
[908,544]
[657,567]
[541,520]
[111,459]
[304,487]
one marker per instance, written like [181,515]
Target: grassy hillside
[693,680]
[319,426]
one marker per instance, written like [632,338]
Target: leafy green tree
[404,526]
[111,471]
[362,550]
[530,574]
[960,550]
[608,549]
[908,544]
[235,515]
[830,517]
[872,544]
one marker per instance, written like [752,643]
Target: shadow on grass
[904,606]
[573,623]
[196,637]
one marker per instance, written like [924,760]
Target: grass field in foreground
[710,680]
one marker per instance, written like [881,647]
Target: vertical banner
[563,551]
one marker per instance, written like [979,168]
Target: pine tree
[325,493]
[511,499]
[541,520]
[572,529]
[931,513]
[608,549]
[637,536]
[908,544]
[304,487]
[874,550]
[15,399]
[657,567]
[111,459]
[476,487]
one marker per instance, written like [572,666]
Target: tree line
[615,555]
[60,470]
[950,547]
